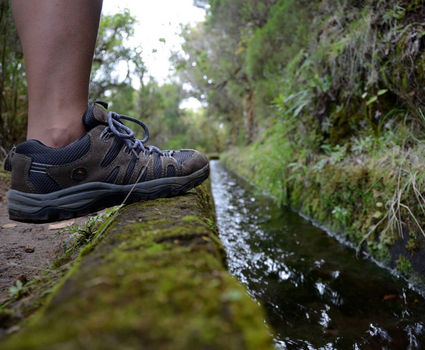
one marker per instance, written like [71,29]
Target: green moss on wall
[155,281]
[404,266]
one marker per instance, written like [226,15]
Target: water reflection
[316,293]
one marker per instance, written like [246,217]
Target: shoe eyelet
[104,136]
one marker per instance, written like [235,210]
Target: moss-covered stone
[155,280]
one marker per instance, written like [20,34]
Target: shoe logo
[79,174]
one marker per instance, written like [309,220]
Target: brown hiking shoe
[103,168]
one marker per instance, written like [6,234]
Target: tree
[13,100]
[214,62]
[111,51]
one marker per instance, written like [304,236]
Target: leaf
[390,296]
[371,100]
[61,224]
[382,92]
[300,108]
[9,226]
[16,289]
[377,214]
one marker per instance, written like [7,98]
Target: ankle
[57,128]
[56,137]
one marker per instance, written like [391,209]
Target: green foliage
[17,290]
[372,192]
[267,163]
[340,214]
[213,63]
[273,45]
[352,67]
[80,235]
[156,105]
[324,101]
[112,49]
[13,100]
[404,266]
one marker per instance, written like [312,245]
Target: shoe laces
[117,127]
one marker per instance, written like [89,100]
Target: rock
[154,280]
[29,249]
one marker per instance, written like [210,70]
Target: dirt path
[25,249]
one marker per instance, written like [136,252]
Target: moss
[345,121]
[380,252]
[414,245]
[155,280]
[189,218]
[404,266]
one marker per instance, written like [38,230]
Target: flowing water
[316,293]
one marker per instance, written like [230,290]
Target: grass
[80,235]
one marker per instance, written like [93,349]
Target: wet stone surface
[316,292]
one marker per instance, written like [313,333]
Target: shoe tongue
[95,115]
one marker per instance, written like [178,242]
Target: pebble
[29,249]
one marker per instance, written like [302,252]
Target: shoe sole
[87,198]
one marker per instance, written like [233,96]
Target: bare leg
[58,39]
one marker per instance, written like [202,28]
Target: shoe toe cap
[194,163]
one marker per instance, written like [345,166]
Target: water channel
[316,293]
